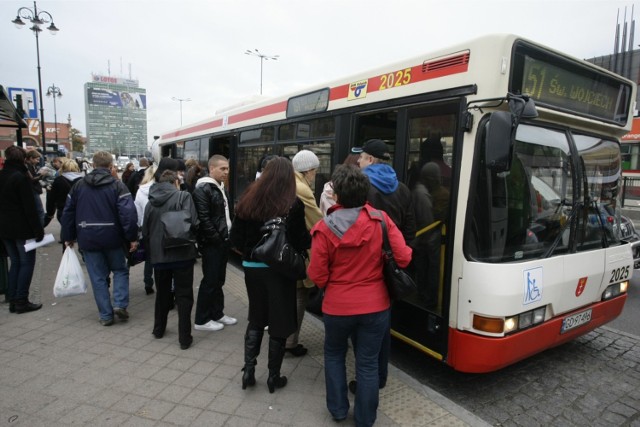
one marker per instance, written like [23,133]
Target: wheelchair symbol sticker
[532,285]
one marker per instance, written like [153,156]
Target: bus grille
[449,62]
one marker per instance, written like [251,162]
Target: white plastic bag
[70,278]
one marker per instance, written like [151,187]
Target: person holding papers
[19,221]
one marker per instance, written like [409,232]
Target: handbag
[176,225]
[137,256]
[70,278]
[275,250]
[399,282]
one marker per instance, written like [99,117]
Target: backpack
[176,225]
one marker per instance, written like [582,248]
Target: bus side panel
[478,354]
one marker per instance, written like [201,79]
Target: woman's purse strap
[386,245]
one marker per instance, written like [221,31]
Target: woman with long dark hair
[19,221]
[272,296]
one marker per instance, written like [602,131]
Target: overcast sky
[195,49]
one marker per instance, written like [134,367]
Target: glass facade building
[116,116]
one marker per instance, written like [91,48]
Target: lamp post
[181,100]
[54,91]
[37,18]
[263,57]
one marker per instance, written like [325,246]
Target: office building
[116,116]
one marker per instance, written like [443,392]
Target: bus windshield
[551,201]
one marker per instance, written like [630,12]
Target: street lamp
[37,19]
[54,91]
[263,57]
[181,100]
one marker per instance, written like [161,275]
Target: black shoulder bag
[399,283]
[275,250]
[176,225]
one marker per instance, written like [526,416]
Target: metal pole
[55,114]
[261,60]
[181,112]
[40,86]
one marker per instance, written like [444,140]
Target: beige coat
[312,213]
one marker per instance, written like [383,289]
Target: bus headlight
[509,324]
[526,319]
[615,290]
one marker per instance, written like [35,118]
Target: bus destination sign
[309,103]
[566,85]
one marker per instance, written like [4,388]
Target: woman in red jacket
[346,260]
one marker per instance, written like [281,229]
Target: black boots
[276,354]
[24,306]
[252,341]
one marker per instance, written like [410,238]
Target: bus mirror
[522,107]
[498,142]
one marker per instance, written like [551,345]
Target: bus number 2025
[619,274]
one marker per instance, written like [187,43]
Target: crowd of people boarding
[175,212]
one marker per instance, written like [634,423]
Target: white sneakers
[209,326]
[213,325]
[226,320]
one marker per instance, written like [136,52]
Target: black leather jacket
[210,205]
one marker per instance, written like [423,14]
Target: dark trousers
[183,280]
[272,301]
[210,305]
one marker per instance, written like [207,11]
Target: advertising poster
[115,98]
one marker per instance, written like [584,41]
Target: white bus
[528,251]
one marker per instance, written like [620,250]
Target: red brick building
[31,134]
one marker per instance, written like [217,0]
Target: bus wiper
[603,236]
[576,207]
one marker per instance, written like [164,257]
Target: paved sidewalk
[59,366]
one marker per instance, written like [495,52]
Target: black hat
[374,147]
[166,163]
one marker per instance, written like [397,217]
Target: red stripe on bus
[391,80]
[197,128]
[259,112]
[469,352]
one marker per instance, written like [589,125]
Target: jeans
[21,270]
[383,356]
[210,304]
[370,330]
[99,265]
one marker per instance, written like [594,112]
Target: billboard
[116,98]
[29,101]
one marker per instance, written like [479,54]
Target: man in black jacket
[392,196]
[137,176]
[212,204]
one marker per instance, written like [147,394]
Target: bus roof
[488,56]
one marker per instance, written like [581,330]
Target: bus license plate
[575,320]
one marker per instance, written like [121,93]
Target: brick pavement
[59,366]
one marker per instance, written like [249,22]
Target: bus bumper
[473,353]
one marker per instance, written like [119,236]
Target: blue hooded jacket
[388,194]
[383,177]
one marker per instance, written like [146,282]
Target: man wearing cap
[388,194]
[305,164]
